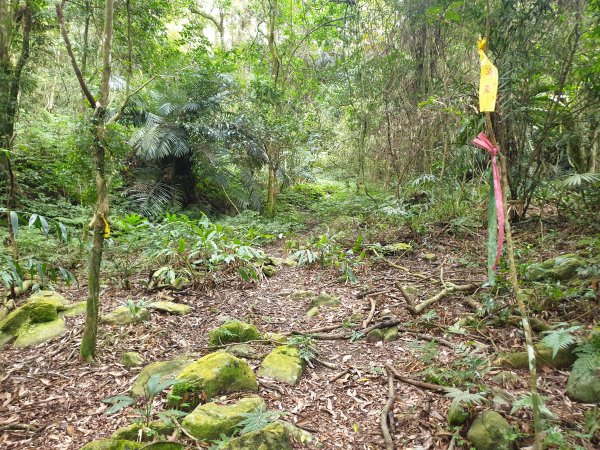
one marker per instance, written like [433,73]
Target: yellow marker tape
[488,82]
[106,228]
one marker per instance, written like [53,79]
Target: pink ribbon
[483,142]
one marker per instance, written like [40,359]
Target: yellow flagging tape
[488,82]
[106,228]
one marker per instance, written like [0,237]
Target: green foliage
[306,345]
[258,420]
[135,307]
[588,353]
[464,398]
[560,338]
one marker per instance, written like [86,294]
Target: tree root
[421,384]
[367,321]
[389,442]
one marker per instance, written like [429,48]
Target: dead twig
[407,270]
[372,293]
[421,384]
[339,375]
[314,330]
[367,321]
[18,427]
[389,442]
[325,363]
[417,309]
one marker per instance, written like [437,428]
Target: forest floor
[47,388]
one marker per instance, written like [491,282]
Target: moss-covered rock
[244,351]
[397,248]
[112,444]
[490,431]
[233,331]
[390,334]
[41,311]
[457,415]
[166,369]
[269,271]
[278,435]
[37,333]
[302,295]
[375,335]
[325,300]
[561,268]
[506,378]
[209,421]
[520,360]
[171,308]
[131,359]
[136,430]
[75,309]
[283,364]
[14,320]
[54,298]
[213,374]
[584,383]
[313,312]
[122,315]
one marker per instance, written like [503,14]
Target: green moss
[457,415]
[38,333]
[112,444]
[390,334]
[41,311]
[375,335]
[275,436]
[54,298]
[123,316]
[283,364]
[490,431]
[214,374]
[584,384]
[234,331]
[325,300]
[131,359]
[15,319]
[171,308]
[520,360]
[76,309]
[210,420]
[132,432]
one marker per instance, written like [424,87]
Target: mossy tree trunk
[99,223]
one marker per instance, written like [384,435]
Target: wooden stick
[421,384]
[367,321]
[417,309]
[314,330]
[387,437]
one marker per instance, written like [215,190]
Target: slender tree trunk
[271,184]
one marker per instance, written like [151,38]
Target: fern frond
[560,339]
[466,398]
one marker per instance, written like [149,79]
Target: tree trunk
[271,190]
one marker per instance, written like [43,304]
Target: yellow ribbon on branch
[488,82]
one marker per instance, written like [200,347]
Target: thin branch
[367,321]
[387,437]
[421,384]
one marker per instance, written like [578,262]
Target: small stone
[312,312]
[171,308]
[390,334]
[132,359]
[411,290]
[584,383]
[209,421]
[277,337]
[457,415]
[37,333]
[283,364]
[430,256]
[269,271]
[213,374]
[243,351]
[490,431]
[375,335]
[502,400]
[233,331]
[397,248]
[167,370]
[123,316]
[506,378]
[325,300]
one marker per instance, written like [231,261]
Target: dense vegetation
[180,144]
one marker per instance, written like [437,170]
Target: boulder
[166,369]
[269,271]
[209,421]
[283,364]
[37,333]
[131,359]
[490,431]
[76,309]
[506,378]
[278,435]
[584,383]
[233,331]
[457,415]
[40,312]
[122,315]
[54,298]
[113,444]
[520,360]
[171,308]
[213,374]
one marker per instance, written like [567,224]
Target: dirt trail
[48,388]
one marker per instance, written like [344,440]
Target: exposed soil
[48,388]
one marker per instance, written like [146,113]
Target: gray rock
[584,383]
[490,431]
[131,359]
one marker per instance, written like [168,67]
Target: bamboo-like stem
[514,281]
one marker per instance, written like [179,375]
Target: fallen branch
[367,321]
[325,363]
[417,309]
[339,375]
[428,337]
[421,384]
[314,330]
[18,427]
[387,437]
[407,270]
[372,293]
